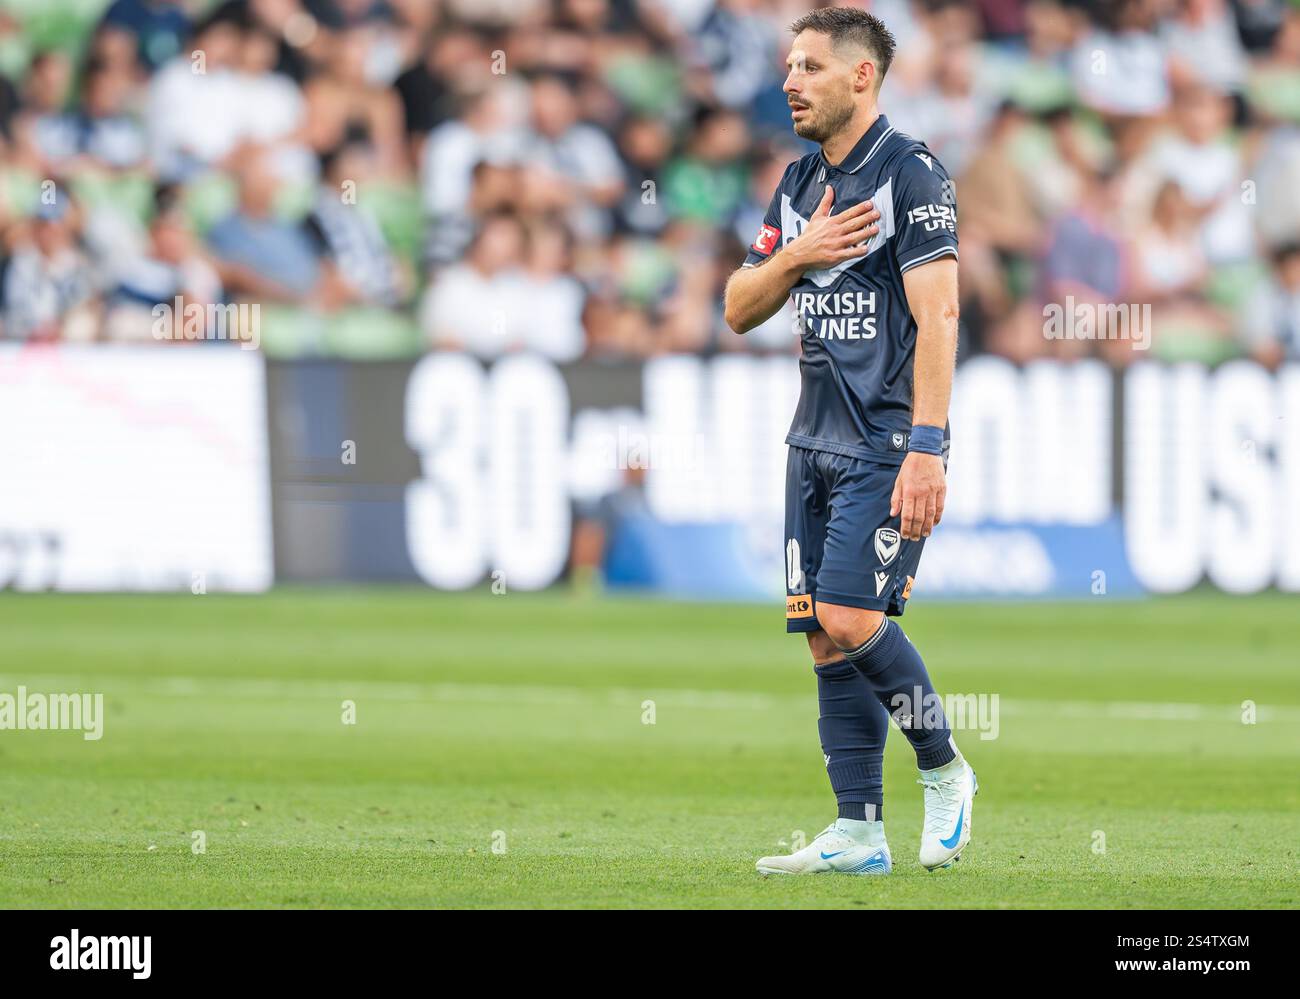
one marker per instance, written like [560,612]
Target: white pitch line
[722,700]
[397,691]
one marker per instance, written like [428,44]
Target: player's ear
[865,79]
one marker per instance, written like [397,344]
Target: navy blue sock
[852,726]
[895,672]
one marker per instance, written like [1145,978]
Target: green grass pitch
[501,754]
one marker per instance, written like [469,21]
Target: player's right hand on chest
[829,239]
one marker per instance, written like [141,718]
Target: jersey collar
[866,147]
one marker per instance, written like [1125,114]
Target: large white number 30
[493,492]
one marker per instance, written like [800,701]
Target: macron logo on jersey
[766,240]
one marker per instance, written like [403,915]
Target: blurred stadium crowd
[579,177]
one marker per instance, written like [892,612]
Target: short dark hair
[1284,251]
[857,27]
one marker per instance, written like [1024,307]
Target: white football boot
[949,793]
[833,850]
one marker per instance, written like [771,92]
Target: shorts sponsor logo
[888,542]
[798,606]
[907,588]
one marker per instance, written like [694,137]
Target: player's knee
[822,648]
[848,627]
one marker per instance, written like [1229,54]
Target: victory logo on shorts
[887,544]
[765,241]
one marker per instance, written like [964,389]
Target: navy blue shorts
[842,546]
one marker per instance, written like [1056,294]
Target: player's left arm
[921,487]
[925,247]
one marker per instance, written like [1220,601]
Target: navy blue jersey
[857,333]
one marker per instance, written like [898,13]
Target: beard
[825,121]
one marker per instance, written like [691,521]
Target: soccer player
[862,237]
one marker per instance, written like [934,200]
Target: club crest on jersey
[898,440]
[888,542]
[766,239]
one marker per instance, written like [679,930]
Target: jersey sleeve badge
[766,240]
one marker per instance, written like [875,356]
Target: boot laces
[942,799]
